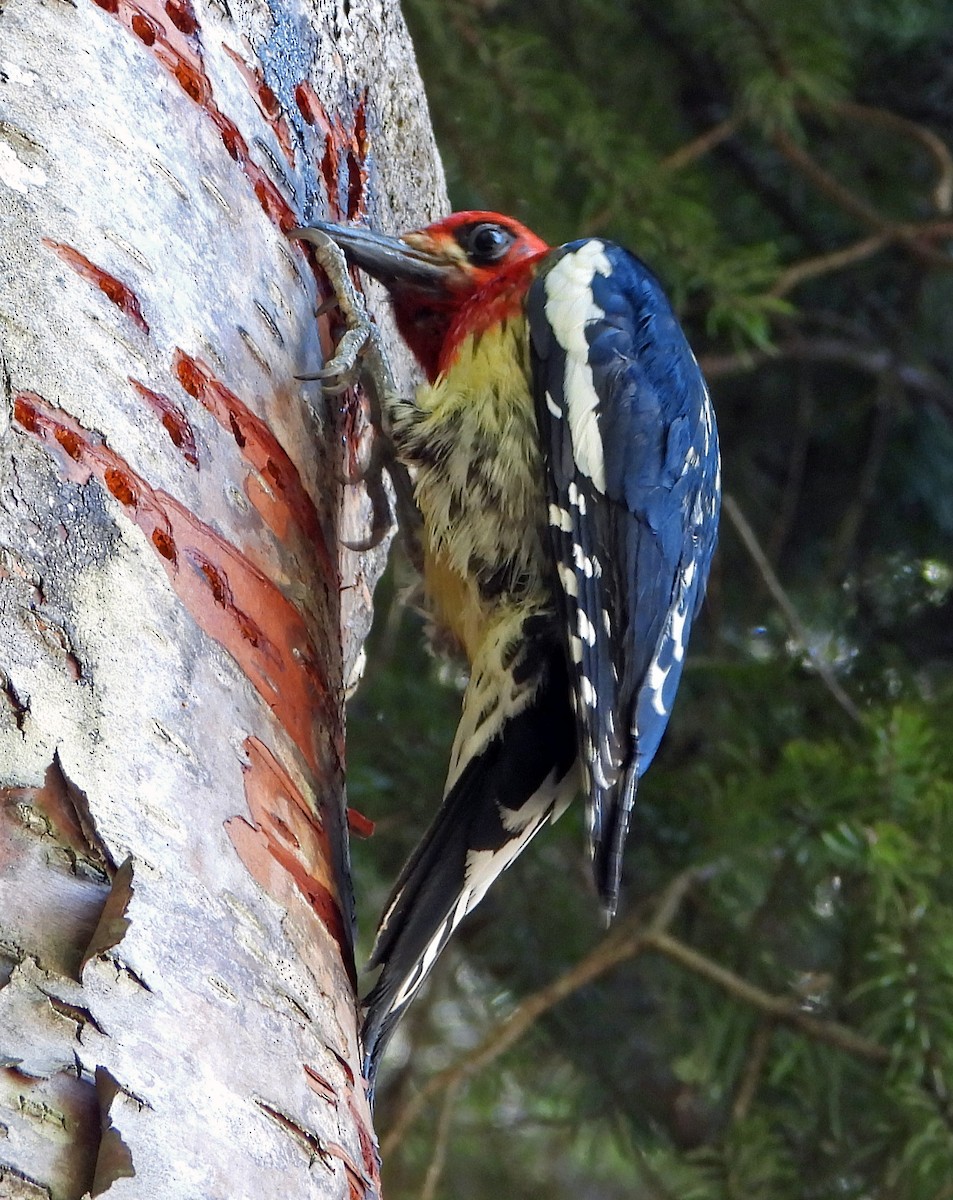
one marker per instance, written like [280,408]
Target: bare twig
[439,1156]
[783,601]
[753,1069]
[700,146]
[782,1009]
[825,264]
[853,519]
[870,359]
[827,185]
[914,237]
[938,150]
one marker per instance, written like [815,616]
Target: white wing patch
[570,306]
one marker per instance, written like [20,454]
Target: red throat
[433,326]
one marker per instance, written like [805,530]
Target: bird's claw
[358,358]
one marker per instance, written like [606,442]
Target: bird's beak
[391,260]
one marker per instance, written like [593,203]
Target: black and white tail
[513,768]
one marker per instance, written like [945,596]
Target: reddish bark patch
[344,1065]
[359,1187]
[112,288]
[321,1086]
[66,807]
[227,596]
[173,419]
[285,846]
[283,498]
[358,824]
[267,102]
[360,1115]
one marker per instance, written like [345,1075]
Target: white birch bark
[177,1015]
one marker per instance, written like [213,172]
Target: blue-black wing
[633,481]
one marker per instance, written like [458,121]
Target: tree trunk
[177,1015]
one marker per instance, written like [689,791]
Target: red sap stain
[164,544]
[182,16]
[227,596]
[111,287]
[267,102]
[285,498]
[341,145]
[273,204]
[144,29]
[69,442]
[331,175]
[361,138]
[285,846]
[193,82]
[233,141]
[357,161]
[310,106]
[174,421]
[121,486]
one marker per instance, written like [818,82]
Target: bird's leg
[359,357]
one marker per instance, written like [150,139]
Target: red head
[459,275]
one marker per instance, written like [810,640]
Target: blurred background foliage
[772,1015]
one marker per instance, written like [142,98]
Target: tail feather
[524,776]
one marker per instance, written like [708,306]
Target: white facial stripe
[570,307]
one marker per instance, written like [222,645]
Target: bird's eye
[486,243]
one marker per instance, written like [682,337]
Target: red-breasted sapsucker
[566,468]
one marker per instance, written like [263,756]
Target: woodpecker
[566,468]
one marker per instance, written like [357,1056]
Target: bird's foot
[359,357]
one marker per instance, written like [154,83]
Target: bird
[566,469]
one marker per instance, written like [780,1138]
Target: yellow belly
[455,603]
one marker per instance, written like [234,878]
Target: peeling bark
[177,1008]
